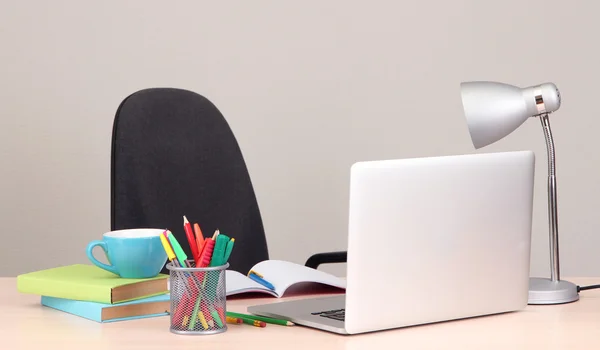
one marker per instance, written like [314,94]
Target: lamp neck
[549,144]
[552,200]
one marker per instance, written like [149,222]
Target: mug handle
[90,255]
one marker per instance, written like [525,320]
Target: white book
[281,275]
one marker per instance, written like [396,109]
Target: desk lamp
[493,110]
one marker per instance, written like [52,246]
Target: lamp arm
[552,201]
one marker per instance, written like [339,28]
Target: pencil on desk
[234,320]
[255,323]
[261,318]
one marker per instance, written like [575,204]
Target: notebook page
[236,283]
[283,274]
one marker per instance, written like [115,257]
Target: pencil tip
[185,220]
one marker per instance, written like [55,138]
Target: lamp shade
[493,110]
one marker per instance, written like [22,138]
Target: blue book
[147,307]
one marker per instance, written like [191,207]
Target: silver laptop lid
[438,238]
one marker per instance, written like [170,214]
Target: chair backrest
[174,154]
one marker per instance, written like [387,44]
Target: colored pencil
[190,238]
[234,320]
[255,323]
[260,318]
[199,238]
[228,250]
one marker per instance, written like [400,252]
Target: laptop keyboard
[333,314]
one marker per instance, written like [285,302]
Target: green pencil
[228,250]
[216,317]
[261,318]
[194,314]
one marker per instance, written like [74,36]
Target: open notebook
[282,275]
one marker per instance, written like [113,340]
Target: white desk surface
[25,324]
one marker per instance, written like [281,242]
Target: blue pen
[255,277]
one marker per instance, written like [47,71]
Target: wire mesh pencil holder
[198,299]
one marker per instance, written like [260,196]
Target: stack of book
[96,294]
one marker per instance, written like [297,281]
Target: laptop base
[311,312]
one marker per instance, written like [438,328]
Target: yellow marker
[167,247]
[185,321]
[202,320]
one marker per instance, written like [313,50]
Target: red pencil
[190,237]
[179,312]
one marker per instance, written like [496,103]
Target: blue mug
[133,253]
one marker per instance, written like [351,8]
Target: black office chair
[174,154]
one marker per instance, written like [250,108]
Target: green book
[90,283]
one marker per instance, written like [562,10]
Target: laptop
[430,239]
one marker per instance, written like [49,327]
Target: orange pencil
[199,239]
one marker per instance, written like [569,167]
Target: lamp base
[543,291]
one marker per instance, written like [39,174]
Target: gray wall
[309,87]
